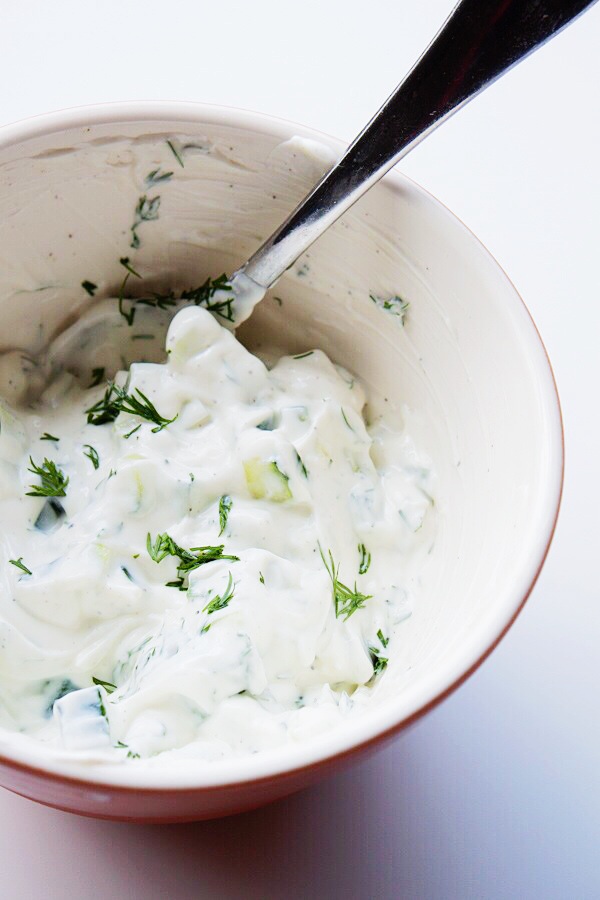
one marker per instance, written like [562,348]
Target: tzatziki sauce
[201,556]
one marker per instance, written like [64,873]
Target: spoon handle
[479,41]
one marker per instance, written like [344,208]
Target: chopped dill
[304,355]
[145,211]
[218,602]
[301,464]
[175,153]
[141,406]
[108,686]
[116,400]
[53,481]
[345,600]
[89,287]
[379,662]
[345,418]
[199,296]
[365,559]
[48,437]
[191,559]
[156,177]
[261,577]
[97,376]
[127,265]
[383,640]
[202,296]
[395,305]
[133,431]
[158,301]
[105,410]
[92,455]
[225,504]
[20,565]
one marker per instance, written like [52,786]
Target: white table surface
[496,794]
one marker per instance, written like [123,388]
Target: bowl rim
[345,741]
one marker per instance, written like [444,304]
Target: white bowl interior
[468,367]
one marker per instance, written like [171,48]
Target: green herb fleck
[107,685]
[383,640]
[53,481]
[20,565]
[48,437]
[379,662]
[128,316]
[365,559]
[97,376]
[395,305]
[261,577]
[90,287]
[127,265]
[345,600]
[218,602]
[202,296]
[225,504]
[145,211]
[156,177]
[116,400]
[92,455]
[191,559]
[304,355]
[133,431]
[175,153]
[301,464]
[345,418]
[105,410]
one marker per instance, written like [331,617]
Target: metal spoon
[479,41]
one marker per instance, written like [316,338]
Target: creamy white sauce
[278,464]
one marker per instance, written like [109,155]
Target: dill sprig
[156,177]
[108,686]
[48,437]
[199,296]
[53,481]
[145,211]
[175,153]
[92,455]
[202,296]
[117,400]
[345,600]
[127,265]
[379,662]
[220,602]
[158,301]
[383,640]
[365,559]
[105,410]
[20,565]
[191,559]
[300,462]
[225,504]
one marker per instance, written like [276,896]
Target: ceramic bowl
[467,369]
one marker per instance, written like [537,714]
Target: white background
[497,793]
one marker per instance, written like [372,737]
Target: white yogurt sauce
[275,471]
[226,572]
